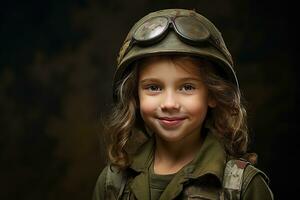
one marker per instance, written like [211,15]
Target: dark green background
[56,66]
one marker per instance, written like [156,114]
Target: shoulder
[110,183]
[255,184]
[99,189]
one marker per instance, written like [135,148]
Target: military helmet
[174,31]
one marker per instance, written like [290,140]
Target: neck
[170,157]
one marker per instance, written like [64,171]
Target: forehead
[165,66]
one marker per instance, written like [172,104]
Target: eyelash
[151,88]
[191,87]
[157,88]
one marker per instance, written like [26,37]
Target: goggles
[190,29]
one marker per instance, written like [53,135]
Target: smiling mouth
[171,123]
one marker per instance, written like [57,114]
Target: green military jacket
[207,168]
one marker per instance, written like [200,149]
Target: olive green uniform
[206,170]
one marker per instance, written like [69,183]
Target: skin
[173,103]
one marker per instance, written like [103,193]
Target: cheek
[148,105]
[146,108]
[199,112]
[197,107]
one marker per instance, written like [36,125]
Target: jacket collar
[210,159]
[143,157]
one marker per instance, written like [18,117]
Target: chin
[170,137]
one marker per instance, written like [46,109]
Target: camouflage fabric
[233,178]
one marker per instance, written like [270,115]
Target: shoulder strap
[249,174]
[233,178]
[115,182]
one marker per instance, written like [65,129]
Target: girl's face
[173,100]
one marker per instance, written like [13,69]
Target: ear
[212,102]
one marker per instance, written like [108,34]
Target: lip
[171,122]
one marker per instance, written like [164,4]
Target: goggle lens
[191,29]
[151,29]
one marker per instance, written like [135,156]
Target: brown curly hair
[228,119]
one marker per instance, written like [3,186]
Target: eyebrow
[190,79]
[147,80]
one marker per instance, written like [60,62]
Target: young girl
[178,128]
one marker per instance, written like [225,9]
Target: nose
[169,101]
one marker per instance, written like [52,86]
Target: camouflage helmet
[190,27]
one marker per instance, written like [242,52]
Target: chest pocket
[202,192]
[127,194]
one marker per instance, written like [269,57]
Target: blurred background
[56,66]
